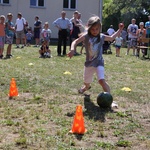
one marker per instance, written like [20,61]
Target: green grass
[42,115]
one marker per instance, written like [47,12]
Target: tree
[115,11]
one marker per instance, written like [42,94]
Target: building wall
[50,12]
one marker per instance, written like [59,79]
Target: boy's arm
[112,37]
[74,45]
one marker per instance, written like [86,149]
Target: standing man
[132,37]
[111,30]
[63,24]
[147,26]
[10,29]
[19,26]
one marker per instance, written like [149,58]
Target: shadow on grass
[94,112]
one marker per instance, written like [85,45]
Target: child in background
[29,36]
[46,33]
[2,35]
[10,30]
[94,63]
[118,44]
[44,51]
[141,33]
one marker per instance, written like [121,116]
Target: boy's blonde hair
[2,17]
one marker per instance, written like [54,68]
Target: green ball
[104,100]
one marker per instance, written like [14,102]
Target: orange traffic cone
[78,123]
[13,89]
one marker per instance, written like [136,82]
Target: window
[4,1]
[37,3]
[70,4]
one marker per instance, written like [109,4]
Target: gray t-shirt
[94,50]
[132,28]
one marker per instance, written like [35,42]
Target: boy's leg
[101,80]
[104,85]
[88,76]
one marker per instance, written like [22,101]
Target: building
[49,10]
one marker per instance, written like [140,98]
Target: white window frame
[69,5]
[37,4]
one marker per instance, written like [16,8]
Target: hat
[141,24]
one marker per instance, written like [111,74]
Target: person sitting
[44,51]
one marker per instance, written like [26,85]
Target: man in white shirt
[19,26]
[111,31]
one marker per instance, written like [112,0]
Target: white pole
[101,9]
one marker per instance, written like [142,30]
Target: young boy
[29,36]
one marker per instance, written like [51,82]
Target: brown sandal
[82,90]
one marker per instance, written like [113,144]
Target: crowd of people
[132,37]
[68,30]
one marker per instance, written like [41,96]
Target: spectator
[46,33]
[19,26]
[26,27]
[10,29]
[147,26]
[37,30]
[110,31]
[29,36]
[76,24]
[118,44]
[141,33]
[132,37]
[2,35]
[44,51]
[124,35]
[63,24]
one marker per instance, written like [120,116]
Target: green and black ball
[104,100]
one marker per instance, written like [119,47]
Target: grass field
[41,117]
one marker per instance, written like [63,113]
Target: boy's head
[29,29]
[19,15]
[2,19]
[46,25]
[94,26]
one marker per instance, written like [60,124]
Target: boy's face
[44,43]
[95,30]
[2,20]
[9,17]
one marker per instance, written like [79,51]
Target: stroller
[106,46]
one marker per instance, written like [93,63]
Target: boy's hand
[70,54]
[121,26]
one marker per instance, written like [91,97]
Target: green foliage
[116,11]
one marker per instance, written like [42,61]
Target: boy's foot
[82,90]
[41,56]
[1,56]
[8,56]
